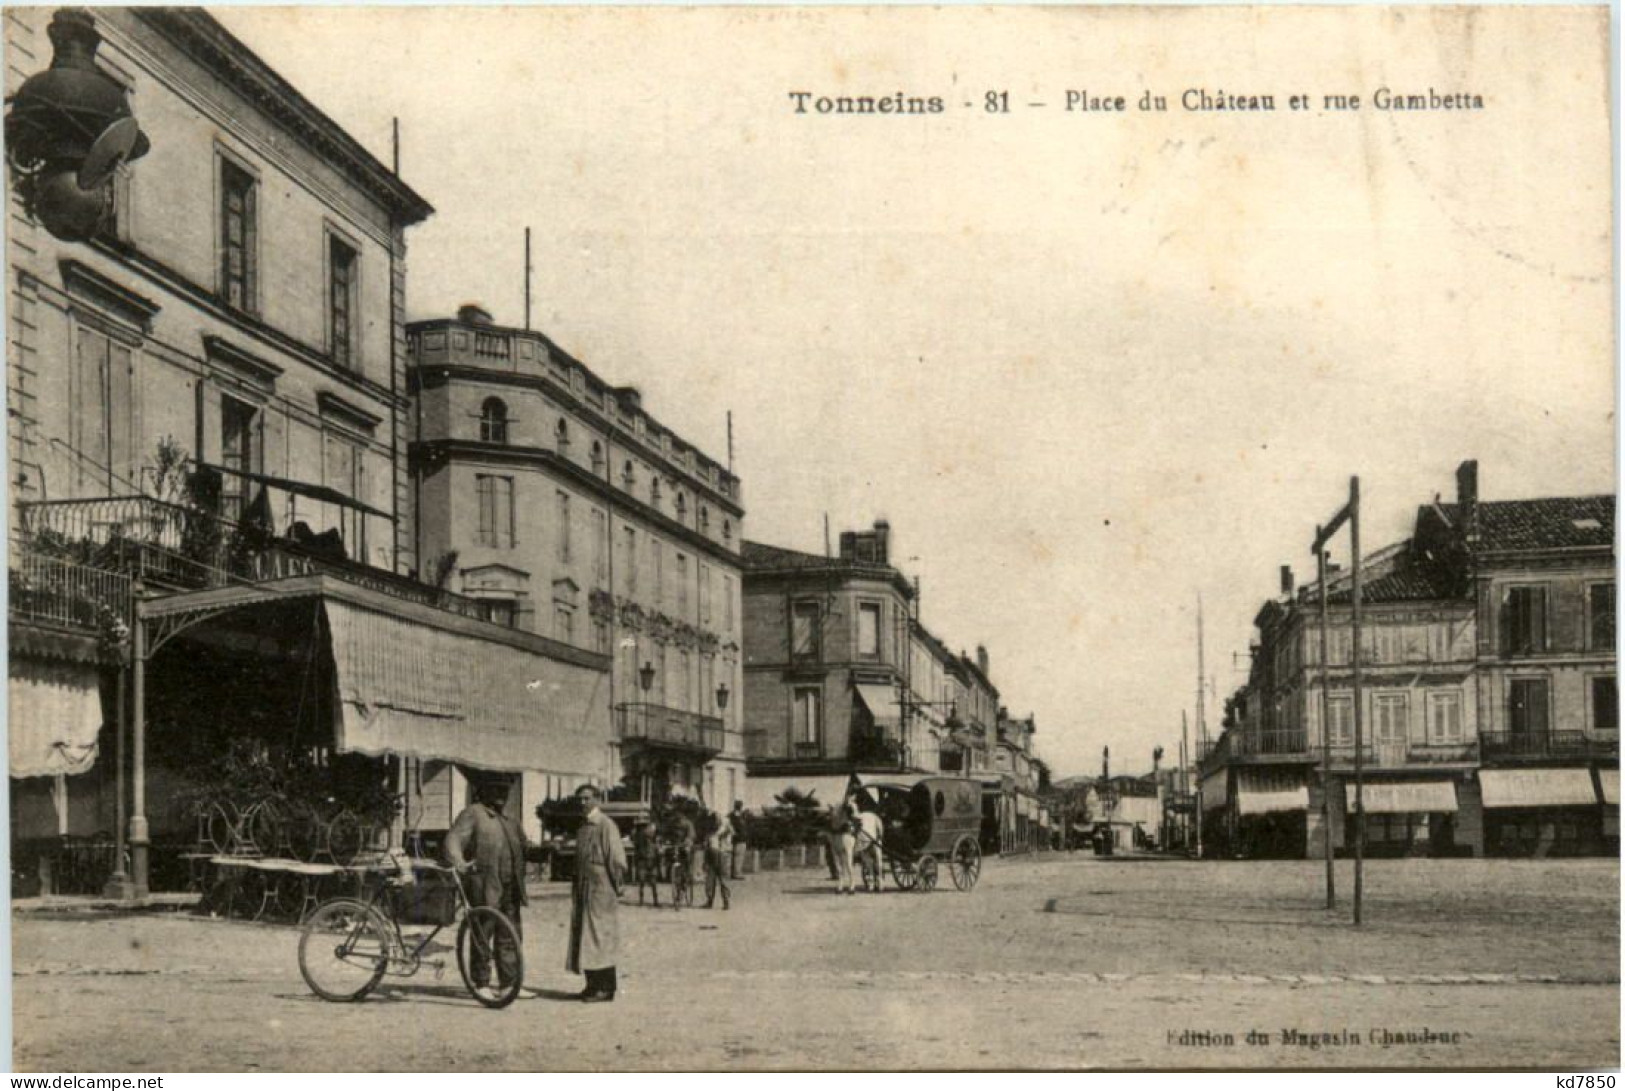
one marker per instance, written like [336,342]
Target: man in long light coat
[595,935]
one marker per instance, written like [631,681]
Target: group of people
[855,835]
[658,852]
[487,844]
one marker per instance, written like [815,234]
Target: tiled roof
[762,555]
[1557,522]
[1407,582]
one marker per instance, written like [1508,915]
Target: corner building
[560,504]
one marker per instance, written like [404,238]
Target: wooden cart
[929,825]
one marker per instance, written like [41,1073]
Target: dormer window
[494,421]
[561,435]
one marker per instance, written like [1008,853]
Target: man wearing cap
[490,846]
[595,937]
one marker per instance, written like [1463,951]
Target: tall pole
[1325,727]
[395,142]
[730,441]
[1201,674]
[1359,736]
[138,755]
[1185,774]
[527,308]
[118,884]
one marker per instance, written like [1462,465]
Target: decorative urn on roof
[67,130]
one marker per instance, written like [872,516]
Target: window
[100,424]
[1439,642]
[502,611]
[685,683]
[597,457]
[600,547]
[561,436]
[705,595]
[1602,616]
[494,421]
[1341,712]
[600,636]
[564,624]
[728,604]
[682,587]
[1523,621]
[805,622]
[705,519]
[661,666]
[807,727]
[629,558]
[658,552]
[681,504]
[654,490]
[563,515]
[1527,709]
[342,266]
[495,495]
[344,469]
[629,477]
[1605,701]
[239,237]
[239,450]
[1444,718]
[869,629]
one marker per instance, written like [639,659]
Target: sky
[1090,366]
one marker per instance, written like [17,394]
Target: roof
[1557,522]
[1406,581]
[759,558]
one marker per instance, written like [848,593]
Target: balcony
[1540,745]
[1246,744]
[61,592]
[657,725]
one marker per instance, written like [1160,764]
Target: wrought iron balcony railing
[668,727]
[65,593]
[1514,745]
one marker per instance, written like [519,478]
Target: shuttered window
[495,495]
[239,237]
[1523,621]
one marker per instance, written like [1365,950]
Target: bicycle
[348,945]
[682,878]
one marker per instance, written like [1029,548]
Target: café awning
[881,702]
[1537,787]
[1408,797]
[53,716]
[1609,779]
[1259,794]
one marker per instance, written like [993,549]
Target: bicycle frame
[406,960]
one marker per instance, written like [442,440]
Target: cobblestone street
[1109,963]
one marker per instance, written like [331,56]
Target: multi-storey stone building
[565,508]
[1488,695]
[208,402]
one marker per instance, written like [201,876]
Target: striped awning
[53,717]
[1537,787]
[1408,797]
[1261,793]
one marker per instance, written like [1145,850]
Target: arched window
[682,506]
[494,421]
[705,519]
[597,457]
[654,490]
[727,530]
[629,476]
[562,435]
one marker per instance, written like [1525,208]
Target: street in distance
[1084,101]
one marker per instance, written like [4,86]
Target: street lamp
[646,675]
[722,696]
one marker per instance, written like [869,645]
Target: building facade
[1489,721]
[556,501]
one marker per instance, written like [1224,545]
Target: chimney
[1105,763]
[472,314]
[849,545]
[1286,579]
[981,659]
[882,542]
[1467,499]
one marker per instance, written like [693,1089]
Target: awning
[323,493]
[1215,789]
[881,702]
[1408,797]
[1610,785]
[1537,787]
[905,780]
[1267,794]
[412,689]
[53,717]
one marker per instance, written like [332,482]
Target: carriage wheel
[903,874]
[965,865]
[927,867]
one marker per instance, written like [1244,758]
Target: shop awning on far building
[1262,793]
[1408,797]
[1609,779]
[1537,787]
[881,702]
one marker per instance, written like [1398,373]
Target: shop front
[1543,812]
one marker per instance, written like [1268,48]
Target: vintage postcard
[811,538]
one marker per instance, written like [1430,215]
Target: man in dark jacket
[489,847]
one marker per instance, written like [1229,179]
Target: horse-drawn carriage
[928,825]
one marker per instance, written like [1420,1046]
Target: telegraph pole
[1350,514]
[1325,727]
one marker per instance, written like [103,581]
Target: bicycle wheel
[682,886]
[345,837]
[344,950]
[483,933]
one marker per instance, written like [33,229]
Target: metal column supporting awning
[417,681]
[1409,797]
[1537,788]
